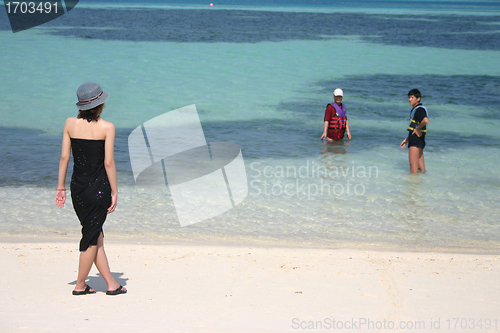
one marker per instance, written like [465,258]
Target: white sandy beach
[189,288]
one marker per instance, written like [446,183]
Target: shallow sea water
[261,76]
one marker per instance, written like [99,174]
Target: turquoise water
[261,76]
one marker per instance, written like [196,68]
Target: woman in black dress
[94,190]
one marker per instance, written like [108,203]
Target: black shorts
[415,141]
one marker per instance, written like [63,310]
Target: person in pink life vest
[336,123]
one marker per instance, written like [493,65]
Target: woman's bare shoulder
[71,120]
[106,124]
[107,127]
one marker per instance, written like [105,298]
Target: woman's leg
[84,266]
[101,262]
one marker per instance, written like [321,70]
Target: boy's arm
[417,130]
[420,115]
[404,142]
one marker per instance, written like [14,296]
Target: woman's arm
[328,115]
[347,129]
[63,166]
[325,130]
[109,164]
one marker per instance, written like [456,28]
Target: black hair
[414,92]
[91,114]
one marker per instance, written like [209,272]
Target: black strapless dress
[90,190]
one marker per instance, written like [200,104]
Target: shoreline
[118,239]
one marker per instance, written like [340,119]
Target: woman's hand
[60,197]
[114,199]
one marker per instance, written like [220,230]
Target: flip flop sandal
[118,291]
[84,292]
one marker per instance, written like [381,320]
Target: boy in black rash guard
[416,132]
